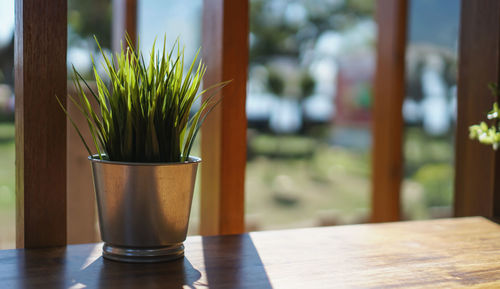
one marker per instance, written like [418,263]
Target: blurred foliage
[329,180]
[421,149]
[360,7]
[7,63]
[272,34]
[429,172]
[320,155]
[307,85]
[417,56]
[7,173]
[6,117]
[283,32]
[282,146]
[87,18]
[275,83]
[437,181]
[326,159]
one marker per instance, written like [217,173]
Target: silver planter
[143,208]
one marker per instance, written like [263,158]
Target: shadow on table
[233,262]
[230,262]
[84,267]
[174,274]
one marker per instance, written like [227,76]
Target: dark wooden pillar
[40,75]
[477,171]
[387,155]
[124,20]
[225,51]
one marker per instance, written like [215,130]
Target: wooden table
[445,253]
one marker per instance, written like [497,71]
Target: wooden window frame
[40,69]
[387,152]
[225,51]
[124,20]
[477,166]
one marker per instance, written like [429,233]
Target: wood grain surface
[448,253]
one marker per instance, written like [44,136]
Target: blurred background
[309,111]
[308,104]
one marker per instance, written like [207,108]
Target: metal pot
[143,208]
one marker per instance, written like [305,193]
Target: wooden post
[387,155]
[124,20]
[225,51]
[477,170]
[40,75]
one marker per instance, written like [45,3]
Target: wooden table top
[446,253]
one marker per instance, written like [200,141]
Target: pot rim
[191,160]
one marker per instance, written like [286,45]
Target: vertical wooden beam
[40,75]
[225,51]
[387,155]
[124,20]
[477,170]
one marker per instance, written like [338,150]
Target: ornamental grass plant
[144,110]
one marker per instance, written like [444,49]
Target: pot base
[143,255]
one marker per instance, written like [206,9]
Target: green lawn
[429,173]
[297,181]
[7,185]
[294,181]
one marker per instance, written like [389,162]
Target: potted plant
[142,133]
